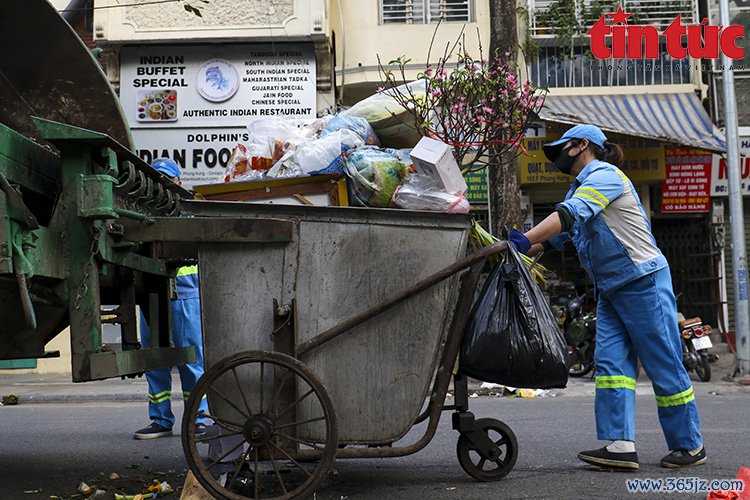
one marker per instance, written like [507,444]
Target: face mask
[564,162]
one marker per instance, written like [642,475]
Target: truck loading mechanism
[84,222]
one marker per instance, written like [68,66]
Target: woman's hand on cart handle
[519,241]
[550,227]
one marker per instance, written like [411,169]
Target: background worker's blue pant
[186,331]
[640,319]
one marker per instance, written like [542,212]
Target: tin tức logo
[703,41]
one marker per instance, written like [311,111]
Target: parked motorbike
[696,342]
[579,329]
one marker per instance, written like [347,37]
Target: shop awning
[675,118]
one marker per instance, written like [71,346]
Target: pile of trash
[499,390]
[385,160]
[107,490]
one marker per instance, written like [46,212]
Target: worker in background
[186,331]
[636,315]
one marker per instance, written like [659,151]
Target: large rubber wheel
[280,418]
[481,467]
[703,369]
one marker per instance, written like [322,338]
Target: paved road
[53,447]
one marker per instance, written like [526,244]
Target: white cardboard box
[435,159]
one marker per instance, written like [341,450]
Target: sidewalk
[720,384]
[58,388]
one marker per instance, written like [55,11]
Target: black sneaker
[152,431]
[682,458]
[200,429]
[608,459]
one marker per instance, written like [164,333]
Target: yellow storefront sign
[644,159]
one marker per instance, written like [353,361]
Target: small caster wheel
[483,468]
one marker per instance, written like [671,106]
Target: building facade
[189,84]
[739,13]
[654,105]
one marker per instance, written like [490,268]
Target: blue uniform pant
[186,331]
[640,319]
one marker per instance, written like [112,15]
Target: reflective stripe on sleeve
[584,195]
[615,382]
[593,192]
[681,398]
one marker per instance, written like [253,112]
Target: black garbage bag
[512,337]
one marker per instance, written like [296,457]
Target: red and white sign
[702,40]
[687,187]
[719,175]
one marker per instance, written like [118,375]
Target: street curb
[81,398]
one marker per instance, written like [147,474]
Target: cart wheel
[480,467]
[279,419]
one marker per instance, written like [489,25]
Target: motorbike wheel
[578,365]
[703,369]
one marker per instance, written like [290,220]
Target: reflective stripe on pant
[186,331]
[641,319]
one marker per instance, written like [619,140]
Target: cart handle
[398,297]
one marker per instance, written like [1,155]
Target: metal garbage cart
[325,341]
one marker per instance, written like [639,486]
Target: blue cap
[591,132]
[167,167]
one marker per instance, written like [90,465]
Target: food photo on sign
[156,105]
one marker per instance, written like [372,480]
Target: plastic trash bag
[512,337]
[356,124]
[237,164]
[373,176]
[393,124]
[317,157]
[270,139]
[323,156]
[403,155]
[421,192]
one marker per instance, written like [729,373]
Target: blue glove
[519,241]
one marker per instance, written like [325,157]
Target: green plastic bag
[373,176]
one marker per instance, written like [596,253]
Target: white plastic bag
[420,192]
[238,163]
[393,124]
[356,124]
[317,157]
[270,139]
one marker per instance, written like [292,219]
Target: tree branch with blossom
[480,107]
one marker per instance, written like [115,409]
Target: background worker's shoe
[605,458]
[152,431]
[682,458]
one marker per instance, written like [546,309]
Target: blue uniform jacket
[610,229]
[187,283]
